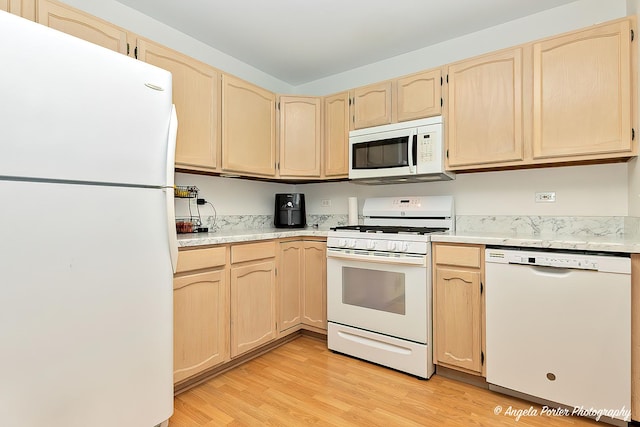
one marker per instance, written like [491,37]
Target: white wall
[582,13]
[134,21]
[231,196]
[596,190]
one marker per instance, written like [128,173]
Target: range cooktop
[392,229]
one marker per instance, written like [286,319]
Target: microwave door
[381,155]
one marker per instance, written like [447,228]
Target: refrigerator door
[75,111]
[86,306]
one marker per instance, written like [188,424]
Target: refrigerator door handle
[171,228]
[171,147]
[169,190]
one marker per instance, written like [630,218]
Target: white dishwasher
[558,327]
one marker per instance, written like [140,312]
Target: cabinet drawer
[253,251]
[465,256]
[196,259]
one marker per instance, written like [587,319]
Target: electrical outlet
[325,203]
[546,197]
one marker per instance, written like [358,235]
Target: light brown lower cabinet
[227,301]
[459,307]
[302,286]
[314,287]
[253,296]
[200,312]
[290,278]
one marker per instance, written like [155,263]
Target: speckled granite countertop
[236,236]
[620,244]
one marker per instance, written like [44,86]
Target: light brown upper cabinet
[582,100]
[196,95]
[371,105]
[82,25]
[299,136]
[567,98]
[24,8]
[248,128]
[336,135]
[484,123]
[418,95]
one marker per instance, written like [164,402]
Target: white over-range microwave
[410,151]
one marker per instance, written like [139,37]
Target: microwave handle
[413,151]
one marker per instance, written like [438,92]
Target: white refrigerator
[87,233]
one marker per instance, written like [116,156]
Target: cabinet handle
[632,35]
[458,278]
[482,357]
[633,134]
[481,288]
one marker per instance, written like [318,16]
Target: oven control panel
[382,245]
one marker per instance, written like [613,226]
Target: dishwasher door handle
[542,270]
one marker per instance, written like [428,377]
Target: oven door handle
[418,261]
[413,151]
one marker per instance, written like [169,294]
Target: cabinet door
[200,323]
[336,135]
[484,124]
[248,128]
[314,292]
[418,95]
[290,284]
[84,26]
[253,306]
[371,105]
[24,8]
[458,318]
[196,95]
[300,130]
[582,93]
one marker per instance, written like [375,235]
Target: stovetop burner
[391,229]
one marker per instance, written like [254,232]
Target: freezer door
[72,110]
[86,306]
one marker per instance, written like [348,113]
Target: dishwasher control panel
[554,261]
[613,263]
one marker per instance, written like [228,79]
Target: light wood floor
[303,383]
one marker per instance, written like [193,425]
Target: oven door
[385,294]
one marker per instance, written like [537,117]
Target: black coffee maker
[290,211]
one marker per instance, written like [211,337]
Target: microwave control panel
[425,148]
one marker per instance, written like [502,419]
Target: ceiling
[299,41]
